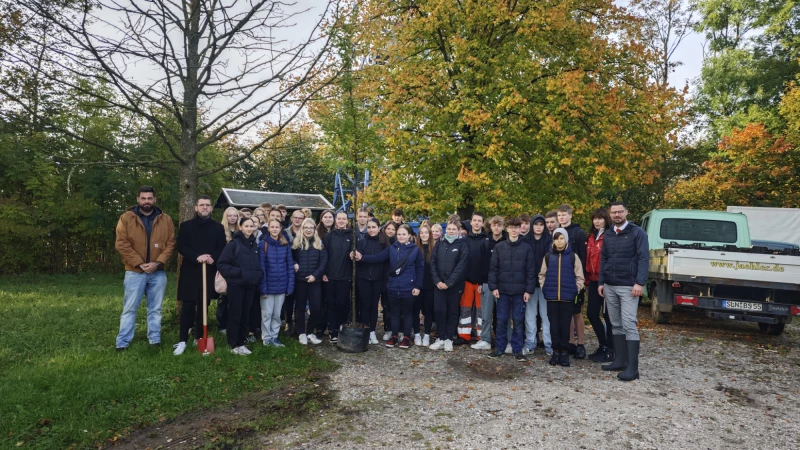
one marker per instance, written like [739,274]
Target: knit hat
[563,232]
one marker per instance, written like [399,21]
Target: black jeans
[560,315]
[602,332]
[311,293]
[401,307]
[369,293]
[425,299]
[191,316]
[288,309]
[385,307]
[447,308]
[240,301]
[338,303]
[254,321]
[222,312]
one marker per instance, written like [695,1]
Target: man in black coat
[200,240]
[624,268]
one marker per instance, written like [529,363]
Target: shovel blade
[209,346]
[201,345]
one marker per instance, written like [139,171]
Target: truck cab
[686,226]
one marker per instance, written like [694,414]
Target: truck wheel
[772,329]
[658,316]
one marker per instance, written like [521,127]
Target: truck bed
[740,267]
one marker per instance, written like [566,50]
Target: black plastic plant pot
[353,338]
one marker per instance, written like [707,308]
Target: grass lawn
[63,385]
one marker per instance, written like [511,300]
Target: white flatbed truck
[703,260]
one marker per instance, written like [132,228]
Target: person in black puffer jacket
[339,274]
[239,264]
[448,270]
[424,301]
[311,260]
[624,264]
[370,277]
[511,280]
[389,231]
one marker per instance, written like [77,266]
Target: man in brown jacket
[145,240]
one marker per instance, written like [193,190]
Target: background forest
[504,107]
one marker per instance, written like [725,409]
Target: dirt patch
[488,370]
[235,425]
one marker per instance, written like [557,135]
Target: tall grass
[63,385]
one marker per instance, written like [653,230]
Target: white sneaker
[313,339]
[438,345]
[509,350]
[525,351]
[417,339]
[448,345]
[387,335]
[180,347]
[426,340]
[238,351]
[481,345]
[373,339]
[303,339]
[399,337]
[245,350]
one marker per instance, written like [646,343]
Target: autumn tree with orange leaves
[752,167]
[510,106]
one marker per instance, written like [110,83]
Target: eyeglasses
[297,218]
[308,228]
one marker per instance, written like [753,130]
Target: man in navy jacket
[624,265]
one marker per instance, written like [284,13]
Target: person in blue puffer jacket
[561,278]
[277,265]
[406,274]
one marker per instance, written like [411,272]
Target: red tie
[618,229]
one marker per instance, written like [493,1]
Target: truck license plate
[728,304]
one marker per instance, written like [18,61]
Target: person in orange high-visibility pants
[477,275]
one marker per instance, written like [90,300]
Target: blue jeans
[509,306]
[271,306]
[487,308]
[537,305]
[136,285]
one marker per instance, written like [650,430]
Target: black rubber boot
[632,371]
[620,356]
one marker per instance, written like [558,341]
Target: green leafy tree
[512,107]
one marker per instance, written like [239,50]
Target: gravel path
[704,385]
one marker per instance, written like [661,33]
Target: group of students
[526,274]
[529,275]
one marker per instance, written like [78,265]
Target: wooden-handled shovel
[205,344]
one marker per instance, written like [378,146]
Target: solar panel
[243,198]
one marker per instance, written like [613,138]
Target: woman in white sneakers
[311,259]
